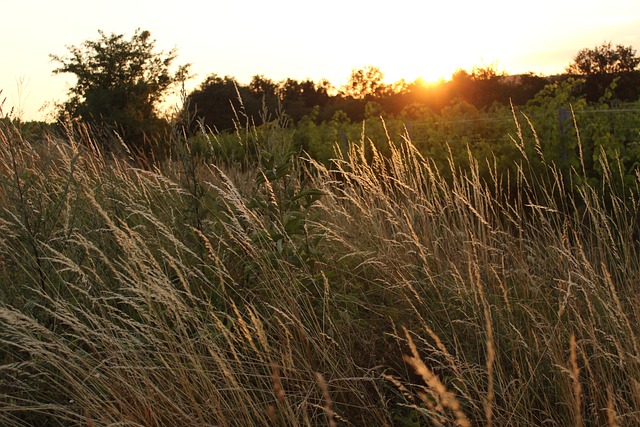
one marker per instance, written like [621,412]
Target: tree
[606,67]
[299,98]
[482,86]
[264,91]
[604,59]
[487,72]
[120,82]
[216,102]
[366,83]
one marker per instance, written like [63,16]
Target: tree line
[121,83]
[366,94]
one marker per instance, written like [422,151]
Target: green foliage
[322,140]
[611,133]
[551,118]
[286,206]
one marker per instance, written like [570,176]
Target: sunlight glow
[289,39]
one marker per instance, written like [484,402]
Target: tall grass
[375,292]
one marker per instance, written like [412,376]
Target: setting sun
[287,39]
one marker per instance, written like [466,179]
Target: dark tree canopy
[613,71]
[120,82]
[604,59]
[217,101]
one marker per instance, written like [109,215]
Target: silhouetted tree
[605,64]
[217,102]
[604,59]
[299,98]
[366,83]
[486,72]
[461,84]
[265,92]
[120,82]
[524,87]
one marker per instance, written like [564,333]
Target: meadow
[262,286]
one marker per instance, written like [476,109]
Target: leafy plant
[286,205]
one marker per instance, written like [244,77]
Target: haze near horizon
[286,39]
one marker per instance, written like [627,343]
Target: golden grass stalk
[448,399]
[328,403]
[575,378]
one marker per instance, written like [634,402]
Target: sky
[282,39]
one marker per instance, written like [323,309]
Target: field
[266,287]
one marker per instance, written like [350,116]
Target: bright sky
[304,39]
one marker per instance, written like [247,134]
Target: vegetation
[120,84]
[465,265]
[384,289]
[600,70]
[605,59]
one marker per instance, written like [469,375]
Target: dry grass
[171,297]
